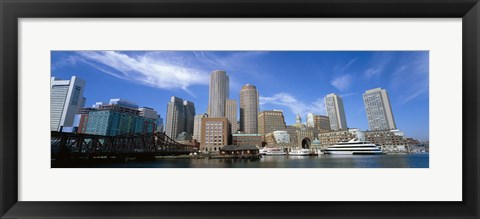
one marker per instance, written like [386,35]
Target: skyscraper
[197,126]
[249,109]
[66,98]
[379,110]
[175,121]
[189,116]
[231,114]
[335,112]
[180,117]
[218,94]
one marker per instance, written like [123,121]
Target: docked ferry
[354,146]
[275,152]
[299,152]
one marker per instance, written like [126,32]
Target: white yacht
[354,146]
[275,151]
[299,152]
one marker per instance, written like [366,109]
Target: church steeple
[298,119]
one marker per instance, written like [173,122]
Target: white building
[197,126]
[335,112]
[310,120]
[66,98]
[379,110]
[281,137]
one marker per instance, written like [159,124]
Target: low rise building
[247,139]
[391,140]
[214,134]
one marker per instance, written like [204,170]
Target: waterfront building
[292,132]
[278,138]
[197,126]
[390,140]
[83,120]
[180,117]
[247,139]
[66,98]
[322,123]
[249,108]
[231,114]
[111,121]
[335,112]
[271,120]
[334,137]
[379,110]
[310,120]
[214,134]
[148,113]
[218,94]
[241,151]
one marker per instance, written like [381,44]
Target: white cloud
[342,82]
[296,106]
[371,72]
[151,69]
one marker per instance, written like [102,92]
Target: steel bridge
[76,145]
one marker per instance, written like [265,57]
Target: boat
[275,152]
[263,151]
[355,147]
[299,152]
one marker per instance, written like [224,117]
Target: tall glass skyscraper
[379,110]
[66,98]
[249,108]
[218,94]
[335,112]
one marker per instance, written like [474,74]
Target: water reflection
[321,161]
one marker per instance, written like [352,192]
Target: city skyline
[294,82]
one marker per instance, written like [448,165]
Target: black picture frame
[12,10]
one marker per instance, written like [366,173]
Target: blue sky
[292,81]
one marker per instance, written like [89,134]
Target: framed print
[231,109]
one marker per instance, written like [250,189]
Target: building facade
[390,140]
[148,112]
[335,112]
[321,123]
[231,114]
[271,120]
[334,137]
[379,110]
[175,121]
[278,139]
[197,126]
[189,116]
[112,123]
[310,120]
[180,117]
[249,108]
[66,99]
[247,139]
[218,94]
[214,134]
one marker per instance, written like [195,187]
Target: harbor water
[321,161]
